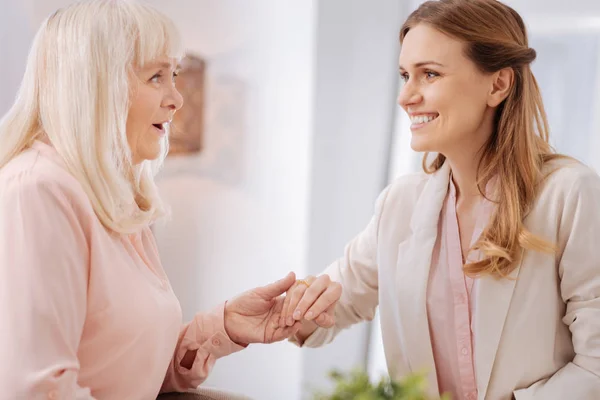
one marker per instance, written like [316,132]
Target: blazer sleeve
[43,290]
[579,272]
[357,271]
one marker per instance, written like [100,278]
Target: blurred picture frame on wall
[187,133]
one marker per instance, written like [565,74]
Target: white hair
[75,92]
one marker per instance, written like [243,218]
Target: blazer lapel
[493,301]
[413,265]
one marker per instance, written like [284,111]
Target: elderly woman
[86,310]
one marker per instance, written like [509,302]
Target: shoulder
[566,177]
[567,187]
[407,186]
[401,196]
[37,176]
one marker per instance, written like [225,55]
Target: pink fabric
[84,313]
[451,303]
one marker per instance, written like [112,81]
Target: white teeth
[420,119]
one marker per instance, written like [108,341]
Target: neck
[464,176]
[464,161]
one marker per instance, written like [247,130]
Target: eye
[156,78]
[175,75]
[404,77]
[431,74]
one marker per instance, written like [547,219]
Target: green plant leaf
[356,385]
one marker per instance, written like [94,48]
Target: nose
[173,100]
[409,95]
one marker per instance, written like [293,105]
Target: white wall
[16,31]
[566,37]
[356,80]
[268,47]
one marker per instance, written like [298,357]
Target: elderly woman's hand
[253,316]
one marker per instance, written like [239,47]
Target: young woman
[86,310]
[484,266]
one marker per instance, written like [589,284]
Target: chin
[153,151]
[421,144]
[148,156]
[154,156]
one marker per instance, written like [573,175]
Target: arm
[250,317]
[43,290]
[357,272]
[579,271]
[201,342]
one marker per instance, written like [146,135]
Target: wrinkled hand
[315,302]
[253,316]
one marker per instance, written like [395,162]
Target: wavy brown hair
[495,38]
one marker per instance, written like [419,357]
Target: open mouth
[421,120]
[160,127]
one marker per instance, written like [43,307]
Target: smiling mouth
[422,120]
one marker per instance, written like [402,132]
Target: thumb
[279,287]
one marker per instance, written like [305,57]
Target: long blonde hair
[495,37]
[75,94]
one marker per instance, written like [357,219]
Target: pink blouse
[85,313]
[451,303]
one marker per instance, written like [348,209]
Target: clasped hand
[264,315]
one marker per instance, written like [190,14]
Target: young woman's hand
[311,299]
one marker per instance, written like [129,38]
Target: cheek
[131,127]
[144,107]
[463,110]
[135,116]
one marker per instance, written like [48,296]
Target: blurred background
[292,131]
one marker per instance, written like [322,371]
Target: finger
[326,319]
[295,296]
[277,288]
[276,311]
[286,332]
[291,330]
[312,294]
[286,302]
[330,296]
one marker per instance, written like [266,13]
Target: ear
[502,82]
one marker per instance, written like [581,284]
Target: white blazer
[538,334]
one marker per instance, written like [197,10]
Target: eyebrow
[423,63]
[164,65]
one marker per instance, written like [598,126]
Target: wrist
[229,325]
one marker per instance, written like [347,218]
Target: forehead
[161,62]
[425,43]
